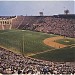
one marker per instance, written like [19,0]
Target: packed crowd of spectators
[12,63]
[47,24]
[59,26]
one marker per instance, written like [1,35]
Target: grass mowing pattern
[64,54]
[33,41]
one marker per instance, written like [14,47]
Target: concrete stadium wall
[5,24]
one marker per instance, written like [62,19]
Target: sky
[11,8]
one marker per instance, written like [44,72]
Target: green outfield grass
[33,41]
[33,44]
[64,54]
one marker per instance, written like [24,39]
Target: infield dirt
[51,42]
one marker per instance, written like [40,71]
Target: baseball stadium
[42,38]
[35,45]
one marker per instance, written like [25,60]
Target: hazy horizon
[11,8]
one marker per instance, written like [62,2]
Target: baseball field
[39,45]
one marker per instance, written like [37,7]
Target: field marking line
[9,49]
[51,42]
[73,45]
[48,50]
[40,52]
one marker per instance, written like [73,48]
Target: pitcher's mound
[66,41]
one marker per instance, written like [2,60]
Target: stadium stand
[6,22]
[47,24]
[57,24]
[11,63]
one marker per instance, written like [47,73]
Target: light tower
[41,13]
